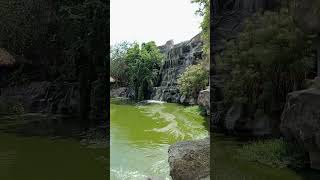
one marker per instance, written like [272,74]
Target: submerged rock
[300,122]
[190,160]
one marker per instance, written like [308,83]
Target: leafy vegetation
[204,11]
[136,66]
[275,153]
[143,67]
[193,80]
[118,64]
[269,58]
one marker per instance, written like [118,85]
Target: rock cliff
[177,58]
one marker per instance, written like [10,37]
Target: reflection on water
[43,147]
[141,134]
[227,166]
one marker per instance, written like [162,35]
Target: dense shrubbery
[193,80]
[275,153]
[268,59]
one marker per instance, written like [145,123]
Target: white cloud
[153,20]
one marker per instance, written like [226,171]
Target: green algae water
[141,134]
[228,166]
[36,147]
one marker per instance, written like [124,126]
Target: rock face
[190,160]
[177,58]
[204,100]
[226,24]
[119,92]
[300,122]
[46,97]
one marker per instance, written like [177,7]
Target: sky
[153,20]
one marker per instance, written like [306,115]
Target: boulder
[6,59]
[300,122]
[204,100]
[119,92]
[190,160]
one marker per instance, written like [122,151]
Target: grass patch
[275,153]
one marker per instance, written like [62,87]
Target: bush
[193,80]
[270,58]
[275,153]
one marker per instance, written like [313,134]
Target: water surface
[141,134]
[40,147]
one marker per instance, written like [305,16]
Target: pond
[42,147]
[228,166]
[140,135]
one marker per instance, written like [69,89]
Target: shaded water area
[228,166]
[140,135]
[47,147]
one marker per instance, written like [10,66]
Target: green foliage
[24,24]
[193,80]
[269,59]
[275,153]
[204,11]
[118,65]
[143,64]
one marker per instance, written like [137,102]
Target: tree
[143,67]
[118,66]
[269,58]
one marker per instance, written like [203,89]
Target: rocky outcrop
[45,97]
[119,92]
[300,122]
[225,25]
[190,160]
[177,58]
[204,100]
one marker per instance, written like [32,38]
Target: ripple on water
[141,135]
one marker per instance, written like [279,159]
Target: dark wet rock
[236,122]
[98,100]
[45,97]
[300,122]
[177,58]
[204,100]
[233,116]
[190,160]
